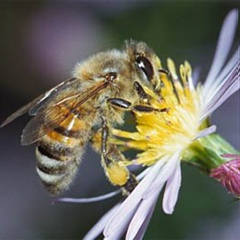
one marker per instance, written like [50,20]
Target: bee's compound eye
[145,65]
[111,76]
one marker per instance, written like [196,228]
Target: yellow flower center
[175,123]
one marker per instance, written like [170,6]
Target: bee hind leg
[113,161]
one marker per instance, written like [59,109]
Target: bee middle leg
[113,161]
[127,106]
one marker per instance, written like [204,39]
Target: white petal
[195,77]
[231,85]
[171,190]
[143,228]
[223,47]
[206,131]
[146,206]
[141,175]
[223,81]
[114,229]
[231,64]
[97,229]
[118,224]
[90,199]
[232,89]
[165,172]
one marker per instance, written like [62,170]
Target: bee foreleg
[121,103]
[141,93]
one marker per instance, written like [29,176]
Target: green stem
[206,153]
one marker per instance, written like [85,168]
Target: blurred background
[40,42]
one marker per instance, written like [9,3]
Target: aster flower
[228,174]
[166,138]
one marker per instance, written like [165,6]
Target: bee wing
[49,95]
[43,122]
[35,105]
[55,112]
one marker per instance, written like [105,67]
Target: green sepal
[206,153]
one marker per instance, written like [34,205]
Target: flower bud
[228,174]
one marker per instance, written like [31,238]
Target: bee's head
[145,61]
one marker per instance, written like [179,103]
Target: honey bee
[83,109]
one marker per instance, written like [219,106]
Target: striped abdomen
[59,153]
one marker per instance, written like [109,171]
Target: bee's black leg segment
[165,71]
[130,185]
[142,108]
[119,102]
[141,93]
[126,105]
[105,132]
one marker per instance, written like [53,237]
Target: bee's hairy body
[84,109]
[63,147]
[59,152]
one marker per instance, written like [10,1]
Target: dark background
[40,42]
